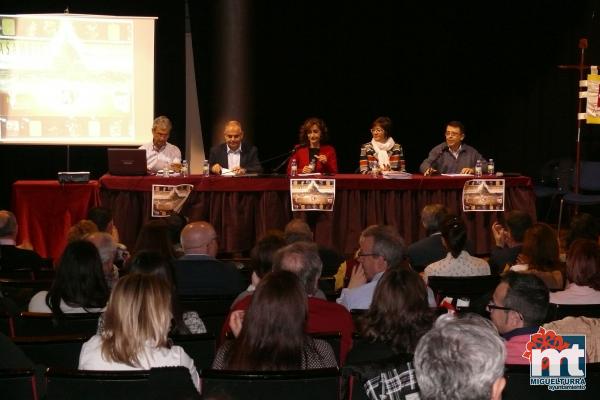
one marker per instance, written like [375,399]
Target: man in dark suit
[235,156]
[11,256]
[198,272]
[430,249]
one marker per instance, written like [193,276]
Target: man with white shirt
[380,248]
[235,155]
[198,272]
[159,153]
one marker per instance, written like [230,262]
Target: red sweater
[302,154]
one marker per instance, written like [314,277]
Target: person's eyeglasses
[359,254]
[377,130]
[491,307]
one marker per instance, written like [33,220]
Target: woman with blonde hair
[136,324]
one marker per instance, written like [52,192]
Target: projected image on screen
[75,79]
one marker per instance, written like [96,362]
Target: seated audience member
[397,318]
[103,218]
[298,230]
[160,154]
[271,334]
[540,255]
[175,224]
[583,226]
[583,275]
[508,238]
[382,149]
[590,327]
[461,358]
[11,256]
[381,248]
[198,272]
[79,285]
[430,249]
[261,260]
[235,155]
[312,154]
[458,261]
[452,156]
[303,259]
[154,263]
[136,324]
[518,308]
[154,235]
[80,230]
[107,249]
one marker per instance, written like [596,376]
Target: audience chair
[478,289]
[22,290]
[589,181]
[46,324]
[52,351]
[201,348]
[20,273]
[18,384]
[171,383]
[560,311]
[334,339]
[553,181]
[271,385]
[327,285]
[212,309]
[518,387]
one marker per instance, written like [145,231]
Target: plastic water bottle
[184,168]
[206,170]
[478,171]
[491,168]
[294,167]
[313,164]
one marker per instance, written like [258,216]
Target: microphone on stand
[433,171]
[289,154]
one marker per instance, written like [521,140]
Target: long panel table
[244,208]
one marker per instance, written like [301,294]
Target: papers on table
[396,175]
[457,174]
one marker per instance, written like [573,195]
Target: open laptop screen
[127,161]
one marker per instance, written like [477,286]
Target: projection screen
[76,79]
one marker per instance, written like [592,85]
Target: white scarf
[381,149]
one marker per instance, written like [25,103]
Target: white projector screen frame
[76,79]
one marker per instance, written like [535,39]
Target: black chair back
[213,310]
[560,311]
[267,385]
[18,384]
[334,339]
[478,289]
[45,324]
[52,351]
[201,348]
[171,383]
[518,385]
[21,290]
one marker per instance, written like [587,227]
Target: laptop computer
[127,161]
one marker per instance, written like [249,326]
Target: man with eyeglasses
[518,308]
[198,272]
[380,248]
[452,156]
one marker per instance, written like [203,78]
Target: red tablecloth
[45,211]
[244,208]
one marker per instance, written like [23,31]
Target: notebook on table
[127,161]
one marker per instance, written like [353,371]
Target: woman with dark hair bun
[79,285]
[458,261]
[312,154]
[271,336]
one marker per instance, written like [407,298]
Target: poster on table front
[483,195]
[169,199]
[312,194]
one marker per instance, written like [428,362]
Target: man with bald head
[235,155]
[198,272]
[11,256]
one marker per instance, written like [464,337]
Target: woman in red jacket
[313,133]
